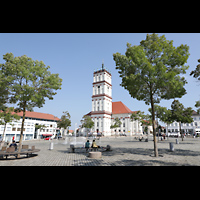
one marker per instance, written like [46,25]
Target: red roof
[38,115]
[119,108]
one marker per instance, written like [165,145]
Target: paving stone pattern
[126,151]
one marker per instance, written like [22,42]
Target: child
[87,145]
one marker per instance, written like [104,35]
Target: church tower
[102,101]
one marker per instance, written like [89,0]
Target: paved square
[126,152]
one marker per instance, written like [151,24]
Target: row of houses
[187,128]
[128,127]
[32,119]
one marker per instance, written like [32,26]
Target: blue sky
[75,56]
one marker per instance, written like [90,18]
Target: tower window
[99,89]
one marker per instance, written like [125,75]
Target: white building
[191,128]
[104,111]
[30,132]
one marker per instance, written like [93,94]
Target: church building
[104,111]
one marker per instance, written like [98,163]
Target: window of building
[13,129]
[8,128]
[98,89]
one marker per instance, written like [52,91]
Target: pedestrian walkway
[126,152]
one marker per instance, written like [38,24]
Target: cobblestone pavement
[126,152]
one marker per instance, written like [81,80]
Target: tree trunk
[4,132]
[22,128]
[154,130]
[180,130]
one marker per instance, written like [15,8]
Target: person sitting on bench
[13,145]
[94,145]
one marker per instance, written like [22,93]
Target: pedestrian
[94,145]
[87,145]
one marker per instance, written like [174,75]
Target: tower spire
[102,64]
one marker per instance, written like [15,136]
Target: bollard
[51,146]
[72,148]
[177,142]
[171,146]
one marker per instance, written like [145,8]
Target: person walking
[87,145]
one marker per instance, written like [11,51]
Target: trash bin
[177,142]
[171,146]
[51,146]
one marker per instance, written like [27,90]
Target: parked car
[48,138]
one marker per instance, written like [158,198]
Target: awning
[47,134]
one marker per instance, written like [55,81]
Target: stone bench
[95,155]
[72,148]
[11,152]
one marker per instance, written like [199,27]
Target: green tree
[7,116]
[5,81]
[65,121]
[196,74]
[151,71]
[31,83]
[87,122]
[181,114]
[142,118]
[163,114]
[117,123]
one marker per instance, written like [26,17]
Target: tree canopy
[31,83]
[181,114]
[151,71]
[65,121]
[196,74]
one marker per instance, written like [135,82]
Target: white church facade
[104,111]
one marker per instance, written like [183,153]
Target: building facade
[104,111]
[30,131]
[187,128]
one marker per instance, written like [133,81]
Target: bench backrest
[3,148]
[24,146]
[10,150]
